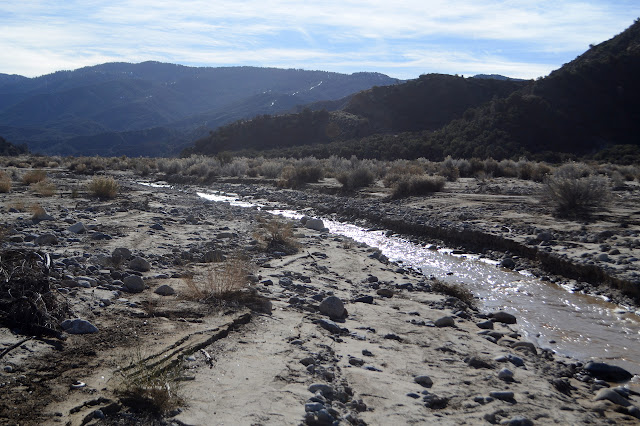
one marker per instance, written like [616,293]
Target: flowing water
[573,324]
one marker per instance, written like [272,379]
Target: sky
[403,39]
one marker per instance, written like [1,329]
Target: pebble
[7,369]
[485,325]
[164,290]
[77,228]
[515,360]
[445,322]
[364,299]
[517,421]
[424,381]
[505,374]
[313,406]
[330,326]
[502,395]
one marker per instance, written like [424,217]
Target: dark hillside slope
[426,103]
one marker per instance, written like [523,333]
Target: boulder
[445,322]
[46,240]
[77,228]
[610,373]
[133,284]
[123,253]
[503,317]
[333,307]
[139,264]
[165,290]
[78,326]
[315,224]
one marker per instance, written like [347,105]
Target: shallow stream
[574,324]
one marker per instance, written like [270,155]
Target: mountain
[93,109]
[588,107]
[9,149]
[426,103]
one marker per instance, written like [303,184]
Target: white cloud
[349,35]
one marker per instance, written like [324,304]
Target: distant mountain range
[154,108]
[590,106]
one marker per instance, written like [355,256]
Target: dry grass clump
[455,290]
[103,187]
[5,182]
[356,178]
[411,185]
[573,192]
[44,188]
[276,235]
[221,282]
[34,176]
[151,387]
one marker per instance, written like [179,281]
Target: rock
[331,326]
[133,284]
[224,235]
[485,325]
[311,407]
[157,227]
[610,373]
[445,322]
[385,292]
[315,224]
[324,389]
[502,395]
[515,360]
[214,256]
[503,317]
[77,228]
[525,345]
[100,236]
[545,236]
[41,215]
[505,374]
[319,418]
[122,253]
[139,264]
[613,396]
[333,307]
[364,299]
[562,385]
[46,240]
[508,262]
[7,369]
[358,362]
[633,411]
[603,257]
[424,381]
[78,326]
[517,421]
[477,363]
[164,290]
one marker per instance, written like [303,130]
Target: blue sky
[403,39]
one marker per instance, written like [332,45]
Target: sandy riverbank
[404,353]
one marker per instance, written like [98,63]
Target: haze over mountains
[153,108]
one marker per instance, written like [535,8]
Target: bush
[456,290]
[359,177]
[44,188]
[5,182]
[297,176]
[276,235]
[34,176]
[417,185]
[103,187]
[221,282]
[573,196]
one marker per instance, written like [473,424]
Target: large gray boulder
[77,228]
[78,326]
[133,284]
[139,264]
[333,307]
[315,224]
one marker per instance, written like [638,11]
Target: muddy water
[573,324]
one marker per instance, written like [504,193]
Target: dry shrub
[44,188]
[150,387]
[455,290]
[276,235]
[103,187]
[297,176]
[17,205]
[34,176]
[221,282]
[5,182]
[271,169]
[572,194]
[37,211]
[357,178]
[417,185]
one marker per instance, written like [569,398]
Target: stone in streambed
[364,299]
[331,326]
[502,395]
[139,264]
[333,307]
[503,317]
[485,325]
[517,421]
[165,290]
[613,396]
[315,224]
[133,284]
[78,326]
[424,381]
[46,240]
[505,374]
[611,373]
[445,322]
[77,228]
